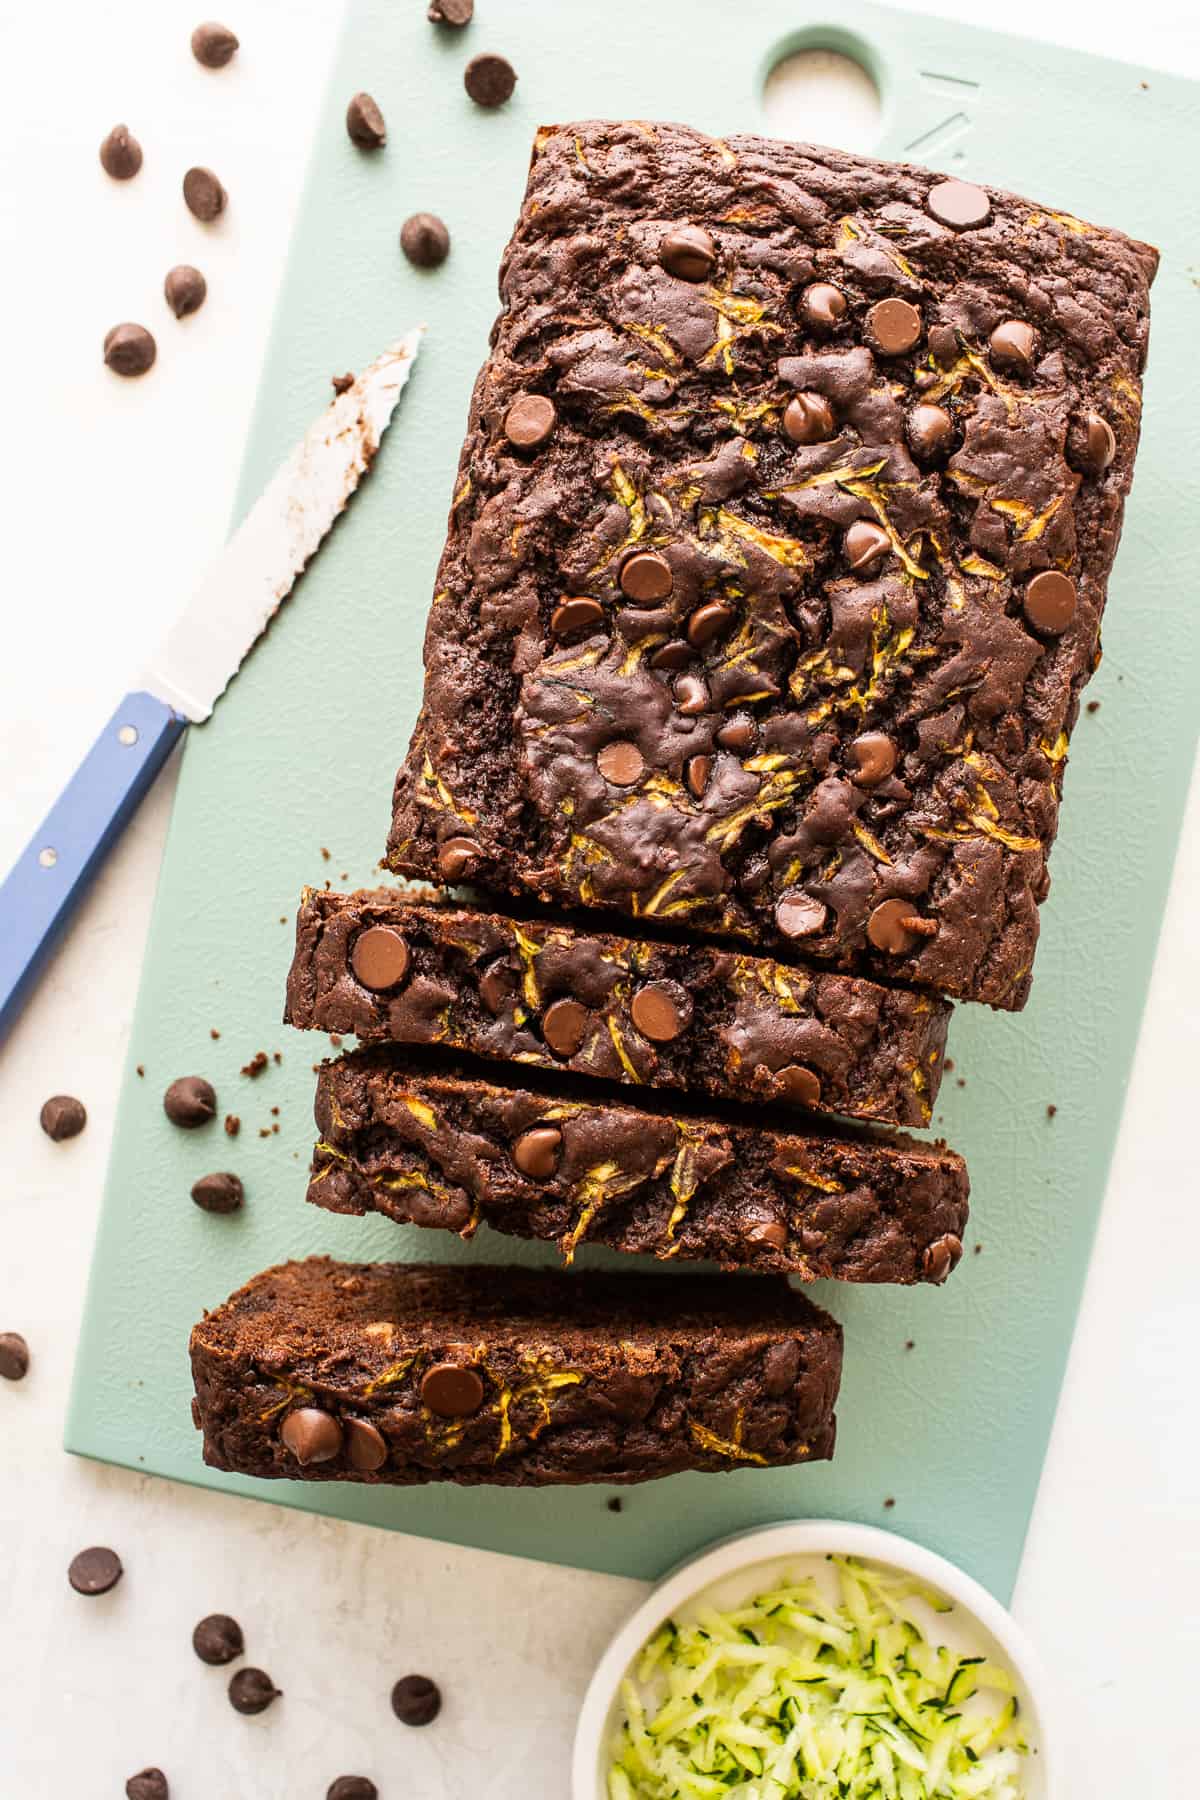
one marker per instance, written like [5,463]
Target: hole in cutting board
[823,96]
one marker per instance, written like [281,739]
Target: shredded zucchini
[808,1694]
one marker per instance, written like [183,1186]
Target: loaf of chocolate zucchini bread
[778,552]
[544,1160]
[390,968]
[410,1373]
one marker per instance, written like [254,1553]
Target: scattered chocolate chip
[873,757]
[416,1700]
[147,1784]
[691,695]
[1011,346]
[940,1257]
[646,578]
[708,622]
[822,305]
[689,252]
[978,1250]
[361,1787]
[203,195]
[489,80]
[661,1011]
[14,1356]
[452,1390]
[1049,601]
[185,289]
[799,915]
[909,1344]
[889,926]
[1093,706]
[738,734]
[312,1436]
[95,1570]
[141,1068]
[129,349]
[213,45]
[865,544]
[366,1446]
[529,421]
[808,419]
[621,762]
[1051,1111]
[536,1152]
[120,154]
[565,1026]
[365,123]
[677,653]
[894,326]
[232,1124]
[425,240]
[218,1639]
[456,857]
[930,430]
[252,1691]
[799,1085]
[341,384]
[379,957]
[220,1193]
[190,1101]
[62,1116]
[451,12]
[959,204]
[1091,444]
[770,1234]
[696,772]
[888,1504]
[613,1503]
[573,616]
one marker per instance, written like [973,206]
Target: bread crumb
[256,1065]
[232,1124]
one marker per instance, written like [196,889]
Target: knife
[195,664]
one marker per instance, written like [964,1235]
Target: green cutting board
[302,753]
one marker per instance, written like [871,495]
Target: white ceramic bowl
[737,1567]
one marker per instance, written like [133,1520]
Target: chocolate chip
[213,45]
[498,986]
[1011,346]
[452,1390]
[451,12]
[865,544]
[252,1691]
[574,616]
[120,154]
[529,421]
[203,195]
[366,1446]
[930,429]
[661,1011]
[822,305]
[798,1084]
[709,621]
[14,1356]
[614,1503]
[62,1116]
[565,1026]
[888,927]
[1091,444]
[536,1152]
[646,578]
[379,957]
[959,204]
[621,762]
[361,1787]
[190,1101]
[416,1700]
[456,857]
[1049,601]
[489,80]
[95,1570]
[218,1639]
[312,1436]
[738,734]
[425,240]
[798,915]
[365,123]
[689,252]
[768,1234]
[894,326]
[872,757]
[940,1257]
[185,289]
[696,772]
[808,419]
[147,1784]
[129,349]
[691,695]
[675,654]
[221,1193]
[445,1211]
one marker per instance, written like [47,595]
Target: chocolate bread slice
[778,552]
[407,1373]
[555,996]
[539,1161]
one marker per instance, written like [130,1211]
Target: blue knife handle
[59,862]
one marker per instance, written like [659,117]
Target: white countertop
[122,489]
